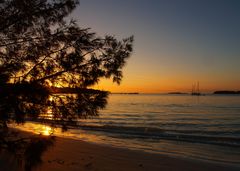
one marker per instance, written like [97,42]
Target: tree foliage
[40,48]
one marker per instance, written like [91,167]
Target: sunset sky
[177,42]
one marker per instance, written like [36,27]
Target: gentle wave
[181,135]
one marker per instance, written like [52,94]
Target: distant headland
[176,93]
[124,93]
[77,90]
[226,92]
[69,90]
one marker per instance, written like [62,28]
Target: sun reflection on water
[48,112]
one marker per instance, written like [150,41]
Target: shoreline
[71,154]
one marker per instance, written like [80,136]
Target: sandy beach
[77,155]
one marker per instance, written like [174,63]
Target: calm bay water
[204,127]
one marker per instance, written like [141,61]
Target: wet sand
[77,155]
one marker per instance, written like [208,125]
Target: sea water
[200,127]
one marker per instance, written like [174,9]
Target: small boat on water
[196,90]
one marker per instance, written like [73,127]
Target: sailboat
[195,90]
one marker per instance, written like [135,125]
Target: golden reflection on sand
[46,130]
[35,128]
[50,98]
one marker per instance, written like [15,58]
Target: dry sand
[77,155]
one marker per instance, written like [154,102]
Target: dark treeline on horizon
[226,92]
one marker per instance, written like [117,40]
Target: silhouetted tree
[40,48]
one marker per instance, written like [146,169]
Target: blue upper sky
[177,42]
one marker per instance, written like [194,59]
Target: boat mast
[198,91]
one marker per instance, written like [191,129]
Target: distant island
[176,93]
[69,90]
[126,93]
[226,92]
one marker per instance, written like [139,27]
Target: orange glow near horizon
[164,86]
[171,50]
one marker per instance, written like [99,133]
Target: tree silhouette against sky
[41,49]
